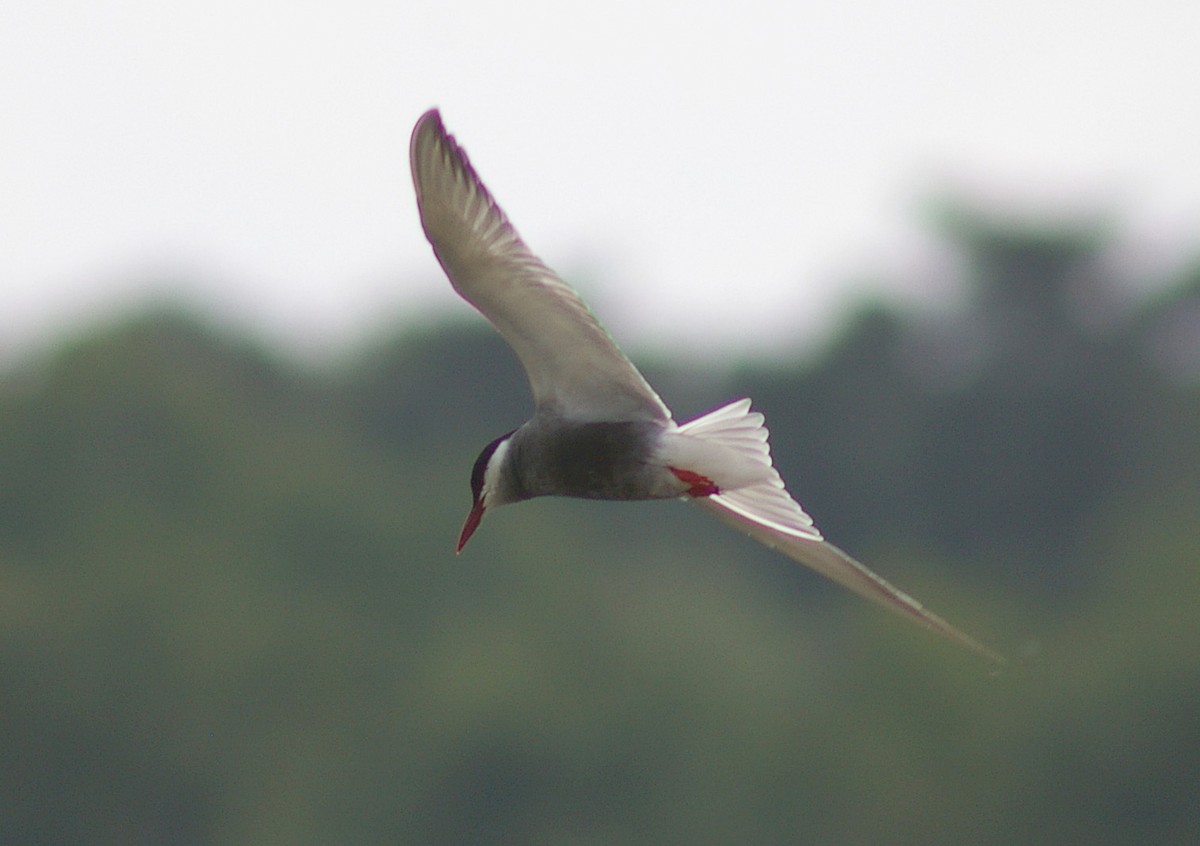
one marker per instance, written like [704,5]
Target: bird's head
[486,490]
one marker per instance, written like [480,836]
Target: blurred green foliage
[230,612]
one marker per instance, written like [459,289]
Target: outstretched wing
[574,367]
[800,541]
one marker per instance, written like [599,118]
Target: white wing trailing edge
[731,446]
[575,369]
[835,564]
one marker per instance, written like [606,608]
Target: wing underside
[574,367]
[833,563]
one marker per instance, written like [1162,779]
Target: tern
[599,431]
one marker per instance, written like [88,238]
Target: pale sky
[715,175]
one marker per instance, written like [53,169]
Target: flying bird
[599,431]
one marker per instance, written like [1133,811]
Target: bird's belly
[599,461]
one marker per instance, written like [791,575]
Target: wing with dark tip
[574,367]
[799,544]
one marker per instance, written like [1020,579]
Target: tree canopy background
[230,611]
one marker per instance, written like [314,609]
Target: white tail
[729,446]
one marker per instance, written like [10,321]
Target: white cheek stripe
[491,475]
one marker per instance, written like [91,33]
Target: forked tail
[730,446]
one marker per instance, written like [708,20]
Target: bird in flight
[599,431]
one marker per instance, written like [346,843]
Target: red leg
[697,485]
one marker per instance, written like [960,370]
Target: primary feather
[574,367]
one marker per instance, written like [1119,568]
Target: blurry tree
[1046,418]
[230,612]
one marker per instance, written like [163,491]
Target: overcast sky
[714,174]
